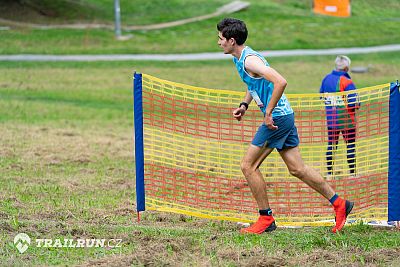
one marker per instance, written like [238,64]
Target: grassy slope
[133,12]
[272,25]
[67,172]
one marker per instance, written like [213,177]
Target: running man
[265,86]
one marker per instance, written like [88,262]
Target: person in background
[340,112]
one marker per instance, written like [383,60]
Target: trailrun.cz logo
[22,242]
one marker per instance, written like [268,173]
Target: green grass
[304,75]
[272,25]
[67,168]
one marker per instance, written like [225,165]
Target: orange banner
[338,8]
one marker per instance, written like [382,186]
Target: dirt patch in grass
[383,256]
[41,154]
[349,257]
[57,146]
[151,251]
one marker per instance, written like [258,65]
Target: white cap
[341,62]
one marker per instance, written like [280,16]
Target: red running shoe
[342,210]
[263,224]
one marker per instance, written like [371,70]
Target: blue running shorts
[285,136]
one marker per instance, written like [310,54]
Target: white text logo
[78,243]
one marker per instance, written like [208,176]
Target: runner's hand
[270,122]
[238,113]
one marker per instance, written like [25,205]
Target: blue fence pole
[139,145]
[394,153]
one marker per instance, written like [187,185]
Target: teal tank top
[260,88]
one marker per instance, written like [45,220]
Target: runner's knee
[247,168]
[298,171]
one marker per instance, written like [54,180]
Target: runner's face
[226,45]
